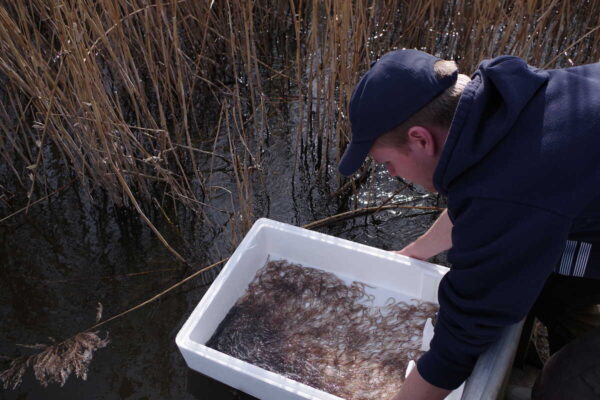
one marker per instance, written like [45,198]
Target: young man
[517,152]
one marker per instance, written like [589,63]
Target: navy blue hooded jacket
[521,169]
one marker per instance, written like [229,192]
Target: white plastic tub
[392,275]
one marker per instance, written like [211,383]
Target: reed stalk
[127,93]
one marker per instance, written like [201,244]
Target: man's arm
[437,239]
[417,388]
[502,253]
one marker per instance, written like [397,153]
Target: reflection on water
[67,254]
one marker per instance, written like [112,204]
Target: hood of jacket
[488,108]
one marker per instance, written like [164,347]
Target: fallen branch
[363,211]
[312,225]
[156,297]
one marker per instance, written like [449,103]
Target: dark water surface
[70,252]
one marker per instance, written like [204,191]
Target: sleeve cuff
[440,373]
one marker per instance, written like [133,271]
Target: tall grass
[135,96]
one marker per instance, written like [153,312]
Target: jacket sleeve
[502,254]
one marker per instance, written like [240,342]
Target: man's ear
[421,139]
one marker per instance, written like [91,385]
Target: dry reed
[310,326]
[134,96]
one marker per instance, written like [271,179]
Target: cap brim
[353,157]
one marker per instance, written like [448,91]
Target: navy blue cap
[398,85]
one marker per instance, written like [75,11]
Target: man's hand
[417,388]
[437,239]
[414,250]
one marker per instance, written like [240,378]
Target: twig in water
[39,200]
[362,211]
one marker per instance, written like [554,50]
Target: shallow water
[69,253]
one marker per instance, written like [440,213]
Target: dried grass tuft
[13,375]
[56,362]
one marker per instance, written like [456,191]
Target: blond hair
[438,112]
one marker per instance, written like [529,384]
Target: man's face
[409,163]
